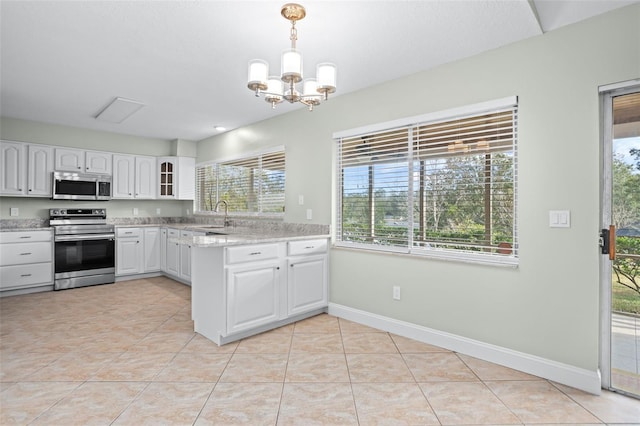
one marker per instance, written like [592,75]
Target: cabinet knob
[79,168]
[30,189]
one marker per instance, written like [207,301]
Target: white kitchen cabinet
[172,260]
[145,177]
[137,250]
[39,169]
[152,244]
[82,161]
[185,257]
[129,251]
[253,295]
[26,169]
[13,179]
[306,284]
[123,179]
[176,178]
[26,259]
[98,162]
[134,176]
[69,160]
[163,249]
[240,290]
[306,275]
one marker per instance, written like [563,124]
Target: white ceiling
[62,62]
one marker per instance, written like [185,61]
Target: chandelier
[285,87]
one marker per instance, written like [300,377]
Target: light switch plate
[14,211]
[559,219]
[309,214]
[301,200]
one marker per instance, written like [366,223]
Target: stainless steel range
[84,247]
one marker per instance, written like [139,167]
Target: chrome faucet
[226,211]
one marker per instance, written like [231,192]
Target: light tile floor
[126,354]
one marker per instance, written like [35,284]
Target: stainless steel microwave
[76,186]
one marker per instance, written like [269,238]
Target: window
[441,184]
[252,184]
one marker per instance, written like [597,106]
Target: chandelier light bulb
[291,66]
[273,88]
[258,72]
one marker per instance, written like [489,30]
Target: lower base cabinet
[26,259]
[238,291]
[306,284]
[252,296]
[137,250]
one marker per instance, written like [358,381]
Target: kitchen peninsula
[246,283]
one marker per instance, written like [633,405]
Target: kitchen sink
[216,233]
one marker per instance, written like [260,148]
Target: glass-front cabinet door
[168,178]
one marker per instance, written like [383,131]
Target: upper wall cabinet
[134,176]
[81,161]
[26,169]
[176,178]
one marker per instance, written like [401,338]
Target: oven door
[91,257]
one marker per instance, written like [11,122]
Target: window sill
[449,256]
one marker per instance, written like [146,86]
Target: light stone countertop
[238,238]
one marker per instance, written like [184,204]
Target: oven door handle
[84,237]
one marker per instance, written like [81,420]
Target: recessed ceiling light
[119,110]
[219,128]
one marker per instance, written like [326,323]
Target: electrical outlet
[158,210]
[14,211]
[301,200]
[396,292]
[309,214]
[135,211]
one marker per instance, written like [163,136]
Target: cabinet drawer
[25,236]
[21,254]
[297,248]
[25,275]
[128,232]
[173,233]
[252,253]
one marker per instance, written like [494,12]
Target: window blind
[446,184]
[252,184]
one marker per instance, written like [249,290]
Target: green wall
[549,305]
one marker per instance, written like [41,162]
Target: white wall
[548,306]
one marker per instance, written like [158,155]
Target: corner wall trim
[586,380]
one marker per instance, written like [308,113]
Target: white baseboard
[586,380]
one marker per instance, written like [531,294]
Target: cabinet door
[307,284]
[167,177]
[98,162]
[128,256]
[39,169]
[173,253]
[14,168]
[163,249]
[186,178]
[252,296]
[145,183]
[151,249]
[69,160]
[123,176]
[185,257]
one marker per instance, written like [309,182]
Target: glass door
[621,241]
